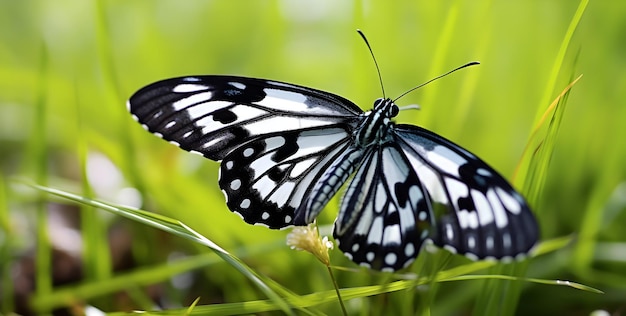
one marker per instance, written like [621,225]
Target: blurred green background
[67,67]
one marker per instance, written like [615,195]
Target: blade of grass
[560,57]
[534,176]
[540,146]
[38,150]
[7,232]
[138,278]
[329,296]
[182,230]
[173,227]
[542,142]
[573,285]
[96,256]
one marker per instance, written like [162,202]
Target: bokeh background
[67,67]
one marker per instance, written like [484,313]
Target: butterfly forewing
[477,213]
[213,115]
[275,139]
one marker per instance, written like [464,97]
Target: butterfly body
[286,150]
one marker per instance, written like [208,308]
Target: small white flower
[307,238]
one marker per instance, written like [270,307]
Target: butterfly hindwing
[266,179]
[383,218]
[477,213]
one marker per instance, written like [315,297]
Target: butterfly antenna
[380,78]
[438,77]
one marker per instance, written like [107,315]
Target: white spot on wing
[499,212]
[311,143]
[237,85]
[274,142]
[429,179]
[450,248]
[212,142]
[170,124]
[284,100]
[415,196]
[301,167]
[483,172]
[245,203]
[264,186]
[229,164]
[485,214]
[510,202]
[189,87]
[409,249]
[248,152]
[471,242]
[506,240]
[284,123]
[235,184]
[391,259]
[449,232]
[282,193]
[489,243]
[192,100]
[467,219]
[446,159]
[201,110]
[392,235]
[471,256]
[457,190]
[355,247]
[422,216]
[261,164]
[242,113]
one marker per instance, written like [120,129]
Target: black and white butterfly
[285,150]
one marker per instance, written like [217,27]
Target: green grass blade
[560,57]
[176,228]
[7,233]
[39,152]
[329,296]
[539,149]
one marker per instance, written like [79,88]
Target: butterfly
[286,150]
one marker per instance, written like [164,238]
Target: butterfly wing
[275,139]
[476,211]
[384,217]
[265,180]
[213,115]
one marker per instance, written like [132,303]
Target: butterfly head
[373,129]
[386,107]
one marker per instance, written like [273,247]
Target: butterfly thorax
[373,129]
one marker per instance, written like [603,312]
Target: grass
[62,94]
